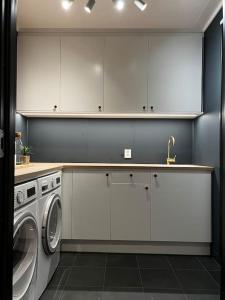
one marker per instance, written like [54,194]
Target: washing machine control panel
[25,193]
[49,183]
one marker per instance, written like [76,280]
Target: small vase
[25,159]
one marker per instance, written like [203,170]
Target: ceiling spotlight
[119,4]
[89,6]
[66,4]
[140,4]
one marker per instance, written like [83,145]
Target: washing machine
[50,226]
[25,241]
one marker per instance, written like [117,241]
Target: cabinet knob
[100,108]
[107,175]
[55,106]
[155,175]
[144,107]
[146,188]
[152,107]
[131,175]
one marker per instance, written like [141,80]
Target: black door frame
[223,163]
[8,55]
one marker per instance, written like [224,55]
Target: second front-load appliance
[25,241]
[50,224]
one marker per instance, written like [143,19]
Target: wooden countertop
[35,170]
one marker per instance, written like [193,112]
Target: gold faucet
[171,142]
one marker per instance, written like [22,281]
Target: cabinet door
[90,207]
[38,73]
[130,211]
[181,207]
[175,73]
[125,74]
[82,74]
[67,196]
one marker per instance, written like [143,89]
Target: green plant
[26,150]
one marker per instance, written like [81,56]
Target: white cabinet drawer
[130,177]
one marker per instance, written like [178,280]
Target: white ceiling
[184,15]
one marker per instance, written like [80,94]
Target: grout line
[174,272]
[106,260]
[208,272]
[139,272]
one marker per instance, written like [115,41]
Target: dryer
[25,241]
[50,226]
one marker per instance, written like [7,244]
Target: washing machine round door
[25,249]
[52,224]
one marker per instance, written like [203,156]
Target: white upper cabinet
[175,73]
[38,73]
[82,74]
[160,73]
[125,74]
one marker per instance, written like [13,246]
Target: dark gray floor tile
[67,259]
[123,296]
[81,295]
[122,260]
[90,260]
[203,297]
[165,296]
[216,275]
[122,277]
[52,294]
[209,263]
[59,277]
[159,279]
[194,279]
[85,277]
[202,292]
[123,289]
[183,262]
[153,262]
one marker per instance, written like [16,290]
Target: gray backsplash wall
[99,140]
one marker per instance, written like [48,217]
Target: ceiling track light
[140,4]
[66,4]
[89,6]
[119,4]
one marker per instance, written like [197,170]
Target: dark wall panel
[97,140]
[206,145]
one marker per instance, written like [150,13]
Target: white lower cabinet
[161,206]
[181,207]
[130,212]
[90,206]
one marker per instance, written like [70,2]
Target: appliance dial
[20,197]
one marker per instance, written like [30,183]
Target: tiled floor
[91,276]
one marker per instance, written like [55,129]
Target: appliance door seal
[52,224]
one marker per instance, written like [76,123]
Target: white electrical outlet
[127,154]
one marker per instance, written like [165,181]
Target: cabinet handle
[146,188]
[155,175]
[100,108]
